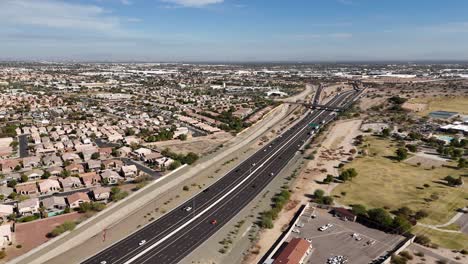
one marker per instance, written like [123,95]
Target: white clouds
[126,2]
[56,14]
[193,3]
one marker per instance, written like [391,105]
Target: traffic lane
[186,242]
[179,215]
[114,248]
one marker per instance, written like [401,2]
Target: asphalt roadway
[23,146]
[173,236]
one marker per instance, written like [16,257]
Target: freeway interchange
[172,237]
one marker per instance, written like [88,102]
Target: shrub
[66,226]
[423,240]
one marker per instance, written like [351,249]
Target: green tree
[174,165]
[329,179]
[12,183]
[359,209]
[401,154]
[385,132]
[46,175]
[24,178]
[462,163]
[95,156]
[401,225]
[319,193]
[379,215]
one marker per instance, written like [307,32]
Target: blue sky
[234,30]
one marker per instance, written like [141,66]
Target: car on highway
[188,209]
[103,262]
[214,222]
[142,242]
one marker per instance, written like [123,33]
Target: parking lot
[339,240]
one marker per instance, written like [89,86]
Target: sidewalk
[120,210]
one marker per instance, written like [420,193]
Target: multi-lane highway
[173,236]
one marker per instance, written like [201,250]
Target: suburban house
[152,157]
[112,177]
[31,162]
[74,200]
[141,152]
[26,188]
[90,178]
[129,171]
[9,165]
[49,186]
[69,156]
[105,152]
[54,204]
[101,194]
[94,165]
[55,171]
[5,210]
[112,164]
[52,160]
[5,190]
[164,162]
[70,183]
[124,151]
[28,207]
[34,174]
[75,168]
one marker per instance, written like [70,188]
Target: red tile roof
[293,252]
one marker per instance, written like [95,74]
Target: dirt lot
[32,234]
[199,145]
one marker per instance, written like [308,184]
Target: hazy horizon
[233,30]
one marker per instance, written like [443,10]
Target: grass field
[455,104]
[447,240]
[383,182]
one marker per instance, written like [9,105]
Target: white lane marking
[216,202]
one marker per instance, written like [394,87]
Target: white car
[300,224]
[188,208]
[309,240]
[103,262]
[142,242]
[296,231]
[325,227]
